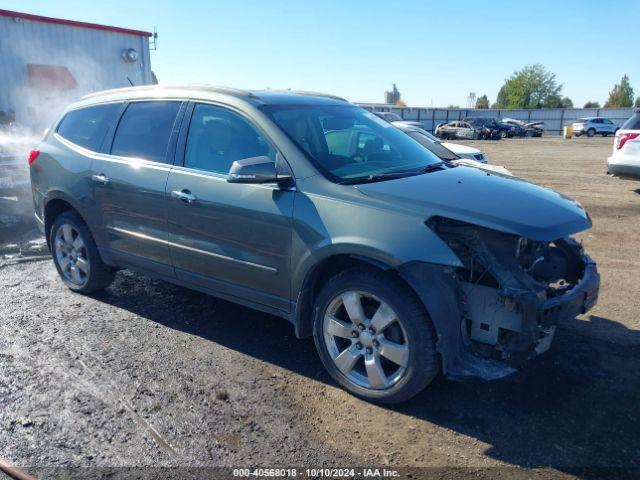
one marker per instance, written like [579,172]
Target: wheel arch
[57,203]
[316,277]
[436,291]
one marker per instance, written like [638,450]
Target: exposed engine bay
[513,290]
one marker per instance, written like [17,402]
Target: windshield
[429,136]
[423,138]
[348,143]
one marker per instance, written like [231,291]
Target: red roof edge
[73,23]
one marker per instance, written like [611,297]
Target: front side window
[87,127]
[350,144]
[218,137]
[339,142]
[144,130]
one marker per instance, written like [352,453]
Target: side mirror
[260,169]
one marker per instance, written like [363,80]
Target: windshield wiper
[432,167]
[391,175]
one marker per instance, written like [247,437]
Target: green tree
[552,101]
[622,94]
[530,87]
[482,102]
[453,106]
[591,104]
[556,101]
[637,104]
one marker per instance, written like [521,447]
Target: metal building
[45,63]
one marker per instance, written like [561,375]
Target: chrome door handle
[102,178]
[184,195]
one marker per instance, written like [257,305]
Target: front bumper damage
[503,305]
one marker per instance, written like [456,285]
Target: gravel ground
[150,374]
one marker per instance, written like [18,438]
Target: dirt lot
[149,374]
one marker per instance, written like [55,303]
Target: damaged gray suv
[399,264]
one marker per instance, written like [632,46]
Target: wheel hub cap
[366,340]
[71,255]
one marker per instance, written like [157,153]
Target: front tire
[76,255]
[591,132]
[374,336]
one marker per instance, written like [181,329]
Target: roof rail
[313,94]
[211,88]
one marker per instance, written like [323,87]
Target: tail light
[624,137]
[33,155]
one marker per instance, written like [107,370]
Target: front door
[129,185]
[228,237]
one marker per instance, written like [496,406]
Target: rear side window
[88,126]
[633,123]
[144,130]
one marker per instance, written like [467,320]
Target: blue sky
[435,51]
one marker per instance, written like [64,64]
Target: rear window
[88,126]
[144,130]
[633,123]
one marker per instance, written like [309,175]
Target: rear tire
[383,346]
[76,255]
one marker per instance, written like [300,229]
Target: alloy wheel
[366,340]
[71,254]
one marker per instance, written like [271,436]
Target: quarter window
[633,123]
[217,137]
[88,126]
[144,130]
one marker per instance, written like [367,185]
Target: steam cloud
[36,108]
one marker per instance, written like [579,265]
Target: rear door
[608,125]
[465,130]
[232,238]
[129,184]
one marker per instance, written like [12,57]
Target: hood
[503,203]
[458,149]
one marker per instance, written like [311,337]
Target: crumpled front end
[512,292]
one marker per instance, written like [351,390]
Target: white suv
[592,125]
[625,160]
